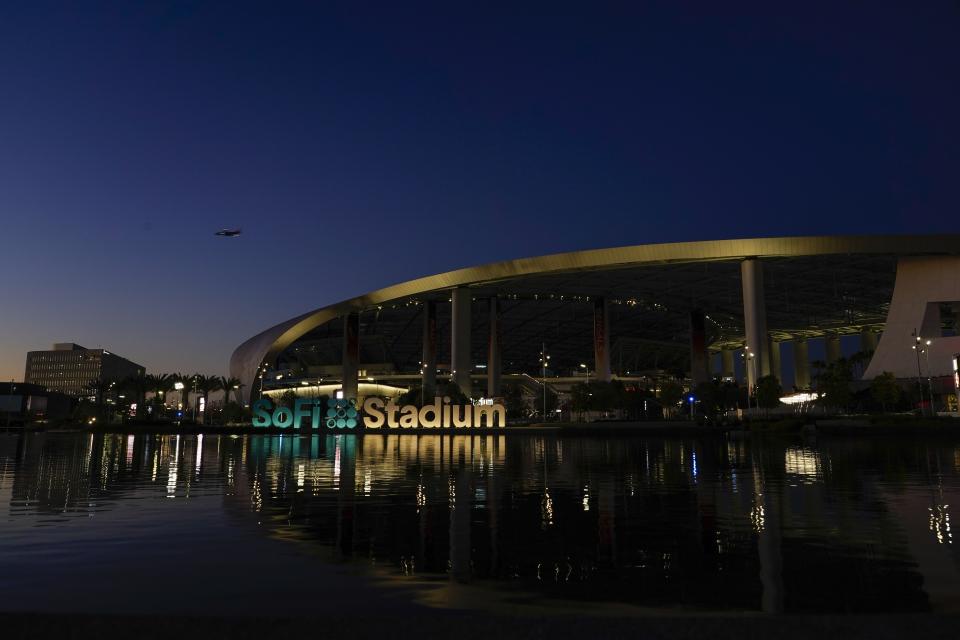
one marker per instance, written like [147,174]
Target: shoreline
[853,426]
[467,624]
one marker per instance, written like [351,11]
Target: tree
[768,392]
[204,385]
[710,397]
[136,386]
[670,394]
[859,362]
[287,398]
[227,385]
[885,390]
[729,395]
[413,396]
[580,398]
[515,402]
[833,384]
[187,382]
[452,390]
[158,384]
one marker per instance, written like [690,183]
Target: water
[266,524]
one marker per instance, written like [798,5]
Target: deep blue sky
[363,144]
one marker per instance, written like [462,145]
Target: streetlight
[178,386]
[423,369]
[751,372]
[929,376]
[544,358]
[916,348]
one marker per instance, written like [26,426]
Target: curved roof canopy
[813,284]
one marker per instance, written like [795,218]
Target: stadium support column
[832,343]
[754,319]
[460,365]
[699,371]
[868,341]
[601,339]
[775,369]
[351,354]
[428,368]
[493,350]
[801,364]
[727,368]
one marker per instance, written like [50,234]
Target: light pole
[195,403]
[751,373]
[543,361]
[929,377]
[916,348]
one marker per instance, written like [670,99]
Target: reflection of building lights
[172,470]
[757,518]
[940,523]
[802,462]
[546,509]
[586,497]
[421,497]
[336,462]
[256,496]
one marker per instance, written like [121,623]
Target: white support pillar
[428,367]
[775,368]
[754,319]
[461,367]
[727,367]
[351,355]
[801,364]
[601,339]
[699,362]
[493,350]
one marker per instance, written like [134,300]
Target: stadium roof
[814,285]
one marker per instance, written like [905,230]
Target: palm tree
[228,384]
[204,385]
[187,382]
[136,385]
[159,384]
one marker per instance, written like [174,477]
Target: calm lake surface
[295,525]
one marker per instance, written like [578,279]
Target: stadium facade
[692,309]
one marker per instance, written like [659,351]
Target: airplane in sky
[228,233]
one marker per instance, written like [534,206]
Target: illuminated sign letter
[301,410]
[392,415]
[491,412]
[462,415]
[261,412]
[408,416]
[430,415]
[373,408]
[282,417]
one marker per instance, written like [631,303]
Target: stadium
[690,311]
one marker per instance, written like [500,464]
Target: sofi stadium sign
[337,413]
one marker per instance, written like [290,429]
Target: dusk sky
[362,144]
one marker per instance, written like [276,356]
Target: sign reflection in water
[848,525]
